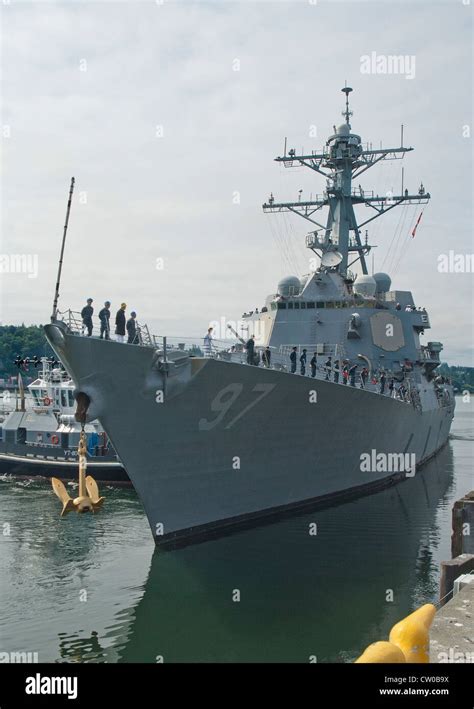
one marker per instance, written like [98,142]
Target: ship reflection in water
[300,595]
[94,589]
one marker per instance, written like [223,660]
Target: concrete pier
[450,571]
[452,632]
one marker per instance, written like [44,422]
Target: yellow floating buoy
[411,634]
[382,652]
[88,499]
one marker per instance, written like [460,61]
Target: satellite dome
[383,282]
[290,285]
[343,129]
[365,286]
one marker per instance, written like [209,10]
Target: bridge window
[310,305]
[320,304]
[290,306]
[281,306]
[296,306]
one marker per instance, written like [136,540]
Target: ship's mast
[342,160]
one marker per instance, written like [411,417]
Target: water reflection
[300,595]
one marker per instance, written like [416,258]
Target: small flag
[416,225]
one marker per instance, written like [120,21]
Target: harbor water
[318,587]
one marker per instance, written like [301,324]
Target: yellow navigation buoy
[88,499]
[412,634]
[382,652]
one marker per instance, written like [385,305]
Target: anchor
[88,499]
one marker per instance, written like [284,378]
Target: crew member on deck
[345,372]
[293,359]
[303,363]
[120,322]
[250,347]
[104,317]
[86,315]
[267,356]
[313,364]
[208,343]
[132,329]
[336,371]
[383,379]
[352,374]
[328,367]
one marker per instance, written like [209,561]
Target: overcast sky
[169,116]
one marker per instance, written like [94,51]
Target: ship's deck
[232,350]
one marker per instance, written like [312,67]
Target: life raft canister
[47,401]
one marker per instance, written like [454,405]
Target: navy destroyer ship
[228,439]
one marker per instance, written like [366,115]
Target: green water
[93,588]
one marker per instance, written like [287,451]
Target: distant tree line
[22,340]
[462,377]
[28,341]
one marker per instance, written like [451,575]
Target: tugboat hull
[21,466]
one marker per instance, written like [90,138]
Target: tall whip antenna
[60,266]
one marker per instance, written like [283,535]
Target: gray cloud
[171,197]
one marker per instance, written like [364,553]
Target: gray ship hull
[232,444]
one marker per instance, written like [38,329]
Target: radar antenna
[342,159]
[347,113]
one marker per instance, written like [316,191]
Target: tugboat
[40,436]
[348,402]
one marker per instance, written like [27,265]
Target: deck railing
[232,350]
[73,320]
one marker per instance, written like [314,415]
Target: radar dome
[290,285]
[365,286]
[343,129]
[383,282]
